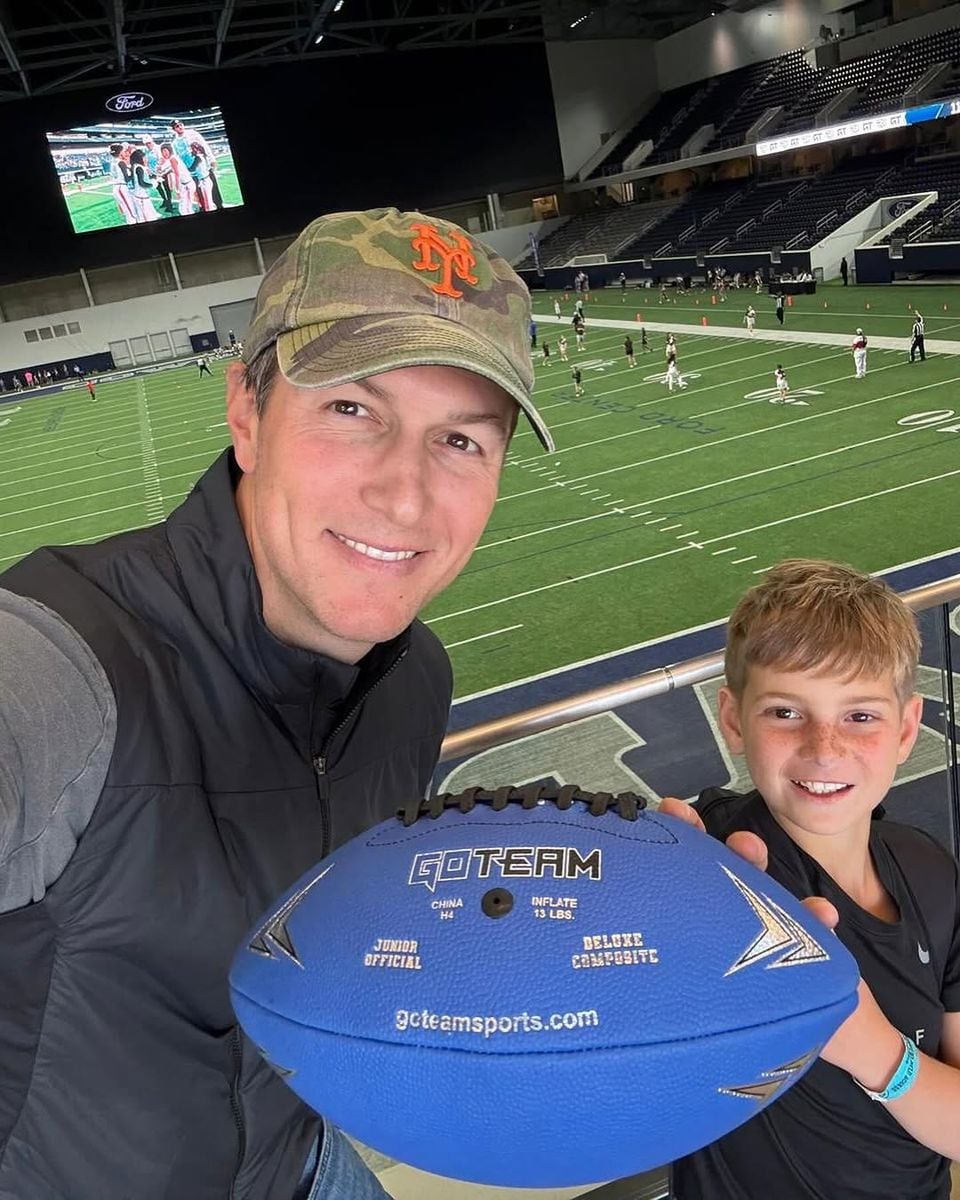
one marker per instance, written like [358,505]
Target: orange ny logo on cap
[456,259]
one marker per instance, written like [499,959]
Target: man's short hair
[813,615]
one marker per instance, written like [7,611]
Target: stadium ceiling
[58,45]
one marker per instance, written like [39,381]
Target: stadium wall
[598,88]
[736,39]
[135,317]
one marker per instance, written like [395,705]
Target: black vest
[239,762]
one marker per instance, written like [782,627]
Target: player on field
[577,378]
[143,188]
[183,139]
[202,368]
[821,699]
[645,346]
[92,389]
[579,328]
[556,308]
[750,319]
[623,287]
[671,349]
[780,380]
[860,354]
[562,348]
[780,300]
[673,376]
[628,350]
[119,184]
[546,354]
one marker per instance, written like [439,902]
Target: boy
[645,346]
[577,377]
[562,347]
[92,389]
[860,354]
[780,380]
[580,329]
[820,666]
[750,319]
[628,351]
[673,376]
[546,354]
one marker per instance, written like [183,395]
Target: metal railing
[502,730]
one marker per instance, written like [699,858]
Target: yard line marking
[749,558]
[518,537]
[710,412]
[692,534]
[559,583]
[77,517]
[633,516]
[612,503]
[680,549]
[667,528]
[813,512]
[151,475]
[655,521]
[725,550]
[481,636]
[736,437]
[761,570]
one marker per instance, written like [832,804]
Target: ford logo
[127,102]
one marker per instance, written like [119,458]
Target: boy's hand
[750,847]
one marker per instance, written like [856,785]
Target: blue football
[537,988]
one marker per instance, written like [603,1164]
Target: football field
[653,515]
[94,207]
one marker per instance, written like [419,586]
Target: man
[203,368]
[781,384]
[193,714]
[844,270]
[750,319]
[860,354]
[916,345]
[92,389]
[628,351]
[577,376]
[623,287]
[780,307]
[182,141]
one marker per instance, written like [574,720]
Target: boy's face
[822,749]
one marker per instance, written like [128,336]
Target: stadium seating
[604,232]
[733,102]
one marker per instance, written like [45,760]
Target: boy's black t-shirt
[825,1139]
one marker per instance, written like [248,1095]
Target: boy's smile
[822,748]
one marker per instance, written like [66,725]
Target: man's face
[362,502]
[178,127]
[822,749]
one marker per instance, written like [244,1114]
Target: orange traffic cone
[639,316]
[789,302]
[703,320]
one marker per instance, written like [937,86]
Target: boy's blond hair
[812,615]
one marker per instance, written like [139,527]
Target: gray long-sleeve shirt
[58,722]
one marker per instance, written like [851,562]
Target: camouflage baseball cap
[359,293]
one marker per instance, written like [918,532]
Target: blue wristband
[904,1077]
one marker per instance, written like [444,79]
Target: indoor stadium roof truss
[55,45]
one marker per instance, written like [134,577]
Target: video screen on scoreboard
[156,167]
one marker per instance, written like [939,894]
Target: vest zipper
[321,760]
[236,1050]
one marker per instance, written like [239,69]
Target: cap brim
[328,353]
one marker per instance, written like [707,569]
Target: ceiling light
[318,39]
[338,6]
